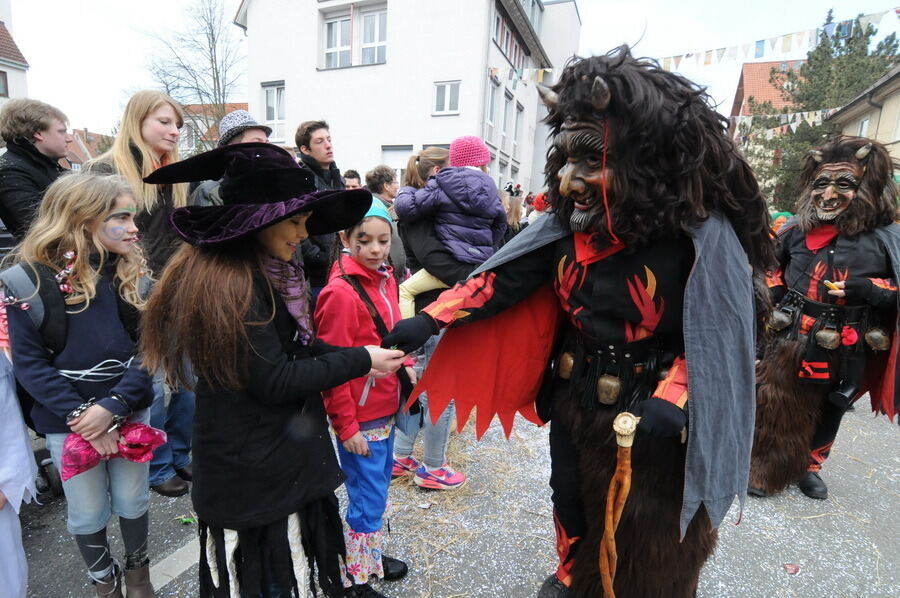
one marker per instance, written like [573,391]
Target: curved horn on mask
[816,155]
[862,152]
[548,96]
[600,94]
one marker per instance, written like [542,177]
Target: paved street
[494,537]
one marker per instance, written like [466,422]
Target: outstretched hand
[411,333]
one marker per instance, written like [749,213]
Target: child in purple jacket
[468,216]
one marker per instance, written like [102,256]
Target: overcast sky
[88,56]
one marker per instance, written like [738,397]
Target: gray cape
[719,340]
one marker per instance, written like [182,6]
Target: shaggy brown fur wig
[875,203]
[673,163]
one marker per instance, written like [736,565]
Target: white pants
[13,567]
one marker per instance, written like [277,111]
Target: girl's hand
[385,360]
[92,423]
[357,445]
[106,443]
[412,374]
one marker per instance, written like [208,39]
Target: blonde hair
[420,165]
[513,206]
[23,117]
[71,205]
[121,158]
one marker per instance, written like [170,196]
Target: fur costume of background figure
[791,411]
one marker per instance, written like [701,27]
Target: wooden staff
[624,426]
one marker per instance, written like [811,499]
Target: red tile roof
[8,48]
[754,82]
[212,133]
[85,145]
[206,109]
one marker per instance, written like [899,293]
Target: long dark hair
[673,163]
[196,316]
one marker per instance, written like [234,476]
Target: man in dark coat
[36,139]
[313,139]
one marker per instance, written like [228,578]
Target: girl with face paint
[83,246]
[362,411]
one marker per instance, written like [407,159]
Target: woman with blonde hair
[82,257]
[147,139]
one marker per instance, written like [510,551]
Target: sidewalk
[494,537]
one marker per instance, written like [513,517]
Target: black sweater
[263,451]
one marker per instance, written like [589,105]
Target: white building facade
[13,66]
[391,77]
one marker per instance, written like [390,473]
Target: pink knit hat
[469,151]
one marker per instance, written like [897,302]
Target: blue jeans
[436,435]
[114,487]
[367,484]
[177,421]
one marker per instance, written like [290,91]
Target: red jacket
[343,320]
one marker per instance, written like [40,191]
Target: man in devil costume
[636,290]
[836,295]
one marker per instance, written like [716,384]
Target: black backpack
[36,285]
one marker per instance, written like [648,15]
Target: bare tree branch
[201,65]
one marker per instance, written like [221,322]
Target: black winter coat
[25,174]
[317,250]
[262,452]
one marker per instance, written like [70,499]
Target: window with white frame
[446,97]
[504,125]
[337,42]
[354,36]
[490,119]
[863,127]
[505,37]
[273,101]
[374,39]
[517,129]
[4,85]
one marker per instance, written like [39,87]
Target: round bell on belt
[566,363]
[779,320]
[878,339]
[828,338]
[608,389]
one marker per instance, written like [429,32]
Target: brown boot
[111,586]
[137,582]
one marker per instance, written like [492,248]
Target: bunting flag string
[516,75]
[787,121]
[774,47]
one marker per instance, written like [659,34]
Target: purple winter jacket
[468,216]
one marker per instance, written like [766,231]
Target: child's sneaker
[404,466]
[439,479]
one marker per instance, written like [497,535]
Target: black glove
[660,418]
[411,333]
[863,289]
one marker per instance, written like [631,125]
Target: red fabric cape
[495,364]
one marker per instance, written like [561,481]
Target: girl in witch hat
[234,305]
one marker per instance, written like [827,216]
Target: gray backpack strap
[21,287]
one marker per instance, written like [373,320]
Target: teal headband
[377,210]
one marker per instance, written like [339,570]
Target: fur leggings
[652,563]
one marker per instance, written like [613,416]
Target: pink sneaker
[404,466]
[444,478]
